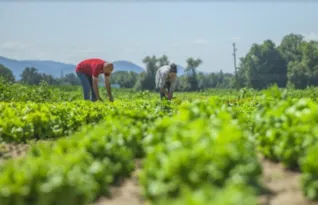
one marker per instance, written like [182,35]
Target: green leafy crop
[201,144]
[285,130]
[73,170]
[309,168]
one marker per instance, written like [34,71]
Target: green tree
[192,65]
[298,74]
[265,66]
[30,76]
[182,83]
[214,80]
[221,78]
[242,72]
[290,47]
[163,61]
[202,81]
[124,78]
[49,79]
[71,79]
[304,72]
[6,73]
[310,59]
[146,80]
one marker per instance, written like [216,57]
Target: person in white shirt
[166,78]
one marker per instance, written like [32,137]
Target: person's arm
[162,82]
[164,91]
[108,88]
[95,75]
[170,95]
[172,88]
[95,87]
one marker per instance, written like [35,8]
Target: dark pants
[87,85]
[167,86]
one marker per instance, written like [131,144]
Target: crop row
[199,149]
[200,153]
[14,92]
[198,156]
[23,121]
[287,131]
[74,170]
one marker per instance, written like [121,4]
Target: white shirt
[162,78]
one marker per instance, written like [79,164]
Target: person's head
[108,68]
[173,71]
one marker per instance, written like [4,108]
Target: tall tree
[146,79]
[264,66]
[124,78]
[30,76]
[192,65]
[310,59]
[6,73]
[49,79]
[163,60]
[298,74]
[304,72]
[71,79]
[290,47]
[242,72]
[148,82]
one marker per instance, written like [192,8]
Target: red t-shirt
[92,66]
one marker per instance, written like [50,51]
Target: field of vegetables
[214,147]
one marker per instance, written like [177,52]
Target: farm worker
[88,71]
[166,78]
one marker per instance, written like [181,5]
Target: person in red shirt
[88,71]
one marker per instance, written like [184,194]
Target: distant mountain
[181,71]
[122,65]
[55,68]
[48,67]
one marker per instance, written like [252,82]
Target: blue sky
[71,31]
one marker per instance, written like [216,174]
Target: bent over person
[88,71]
[166,78]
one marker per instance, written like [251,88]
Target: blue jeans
[87,85]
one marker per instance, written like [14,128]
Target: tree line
[293,63]
[31,76]
[190,81]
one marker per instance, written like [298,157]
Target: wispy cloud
[14,46]
[87,50]
[311,36]
[200,41]
[77,54]
[128,50]
[236,38]
[175,44]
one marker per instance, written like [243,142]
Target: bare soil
[128,193]
[284,186]
[9,150]
[14,150]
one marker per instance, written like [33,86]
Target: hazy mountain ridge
[56,68]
